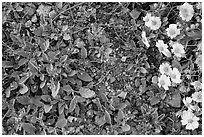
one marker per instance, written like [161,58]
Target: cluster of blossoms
[177,49]
[168,75]
[152,22]
[191,103]
[186,13]
[171,76]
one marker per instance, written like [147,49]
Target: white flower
[175,75]
[172,31]
[155,23]
[164,81]
[199,5]
[43,10]
[147,19]
[190,120]
[200,46]
[163,48]
[165,68]
[199,61]
[186,11]
[144,39]
[197,96]
[197,85]
[187,102]
[178,49]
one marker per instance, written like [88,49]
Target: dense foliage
[102,68]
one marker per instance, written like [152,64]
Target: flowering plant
[108,68]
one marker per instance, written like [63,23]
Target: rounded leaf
[107,117]
[86,92]
[29,128]
[84,76]
[24,89]
[125,128]
[72,104]
[61,123]
[83,53]
[55,90]
[47,108]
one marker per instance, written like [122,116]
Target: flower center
[177,50]
[199,96]
[162,82]
[154,22]
[190,121]
[172,32]
[166,69]
[185,13]
[173,76]
[161,48]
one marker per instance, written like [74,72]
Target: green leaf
[100,120]
[123,94]
[32,68]
[47,108]
[72,104]
[86,92]
[46,98]
[67,88]
[52,54]
[7,64]
[83,53]
[45,45]
[125,128]
[61,109]
[63,58]
[84,76]
[38,31]
[15,39]
[154,79]
[23,100]
[135,14]
[120,106]
[175,100]
[143,70]
[36,101]
[107,117]
[196,34]
[24,79]
[61,123]
[55,90]
[24,89]
[29,128]
[121,115]
[176,64]
[22,61]
[154,100]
